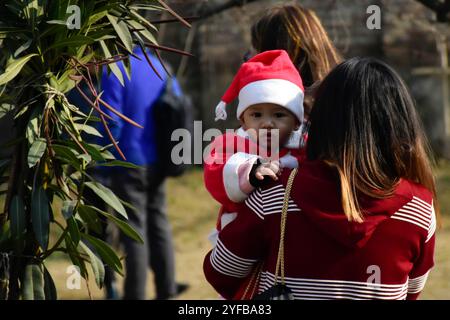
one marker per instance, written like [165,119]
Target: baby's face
[276,120]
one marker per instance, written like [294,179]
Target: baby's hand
[270,168]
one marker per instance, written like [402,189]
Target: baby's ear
[242,122]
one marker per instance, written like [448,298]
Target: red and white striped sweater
[388,256]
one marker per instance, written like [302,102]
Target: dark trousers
[144,188]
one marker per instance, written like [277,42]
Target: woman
[298,31]
[361,218]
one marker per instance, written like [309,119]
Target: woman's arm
[422,266]
[240,246]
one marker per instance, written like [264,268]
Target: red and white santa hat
[269,77]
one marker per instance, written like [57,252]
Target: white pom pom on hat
[269,77]
[221,112]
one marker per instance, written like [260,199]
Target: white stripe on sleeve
[415,285]
[227,263]
[255,203]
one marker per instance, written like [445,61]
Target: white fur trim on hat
[277,91]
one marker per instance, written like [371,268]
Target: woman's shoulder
[411,190]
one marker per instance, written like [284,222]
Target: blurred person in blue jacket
[144,188]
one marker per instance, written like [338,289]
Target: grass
[438,284]
[193,212]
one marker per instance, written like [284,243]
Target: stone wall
[405,41]
[409,43]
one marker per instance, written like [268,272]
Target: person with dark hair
[361,218]
[298,30]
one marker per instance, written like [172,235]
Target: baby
[270,112]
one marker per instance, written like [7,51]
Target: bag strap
[254,278]
[279,270]
[253,283]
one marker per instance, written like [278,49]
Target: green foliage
[33,282]
[13,68]
[40,216]
[108,196]
[41,60]
[17,218]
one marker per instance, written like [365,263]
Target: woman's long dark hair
[364,124]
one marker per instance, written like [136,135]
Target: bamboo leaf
[128,205]
[96,263]
[127,67]
[60,22]
[17,217]
[88,129]
[14,68]
[122,31]
[90,217]
[96,16]
[118,163]
[73,230]
[107,155]
[40,216]
[126,229]
[21,112]
[135,14]
[32,131]
[122,225]
[75,256]
[33,283]
[113,66]
[54,29]
[106,252]
[66,155]
[5,108]
[85,157]
[143,30]
[93,151]
[108,196]
[36,151]
[49,286]
[75,41]
[23,47]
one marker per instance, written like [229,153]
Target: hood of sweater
[316,191]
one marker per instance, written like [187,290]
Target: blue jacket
[135,100]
